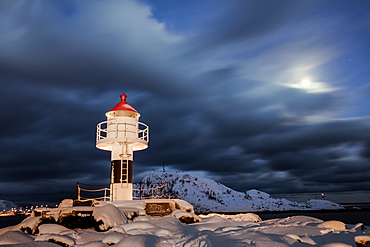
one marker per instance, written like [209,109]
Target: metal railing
[93,194]
[159,192]
[102,130]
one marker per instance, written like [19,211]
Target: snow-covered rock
[109,216]
[239,217]
[53,229]
[207,195]
[63,240]
[30,224]
[212,230]
[362,240]
[332,224]
[185,217]
[15,237]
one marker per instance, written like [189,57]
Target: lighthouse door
[121,171]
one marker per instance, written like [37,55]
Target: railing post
[97,133]
[78,191]
[141,191]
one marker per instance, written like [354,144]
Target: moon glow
[305,83]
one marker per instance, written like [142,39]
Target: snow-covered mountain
[207,195]
[7,205]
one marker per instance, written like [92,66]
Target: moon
[306,83]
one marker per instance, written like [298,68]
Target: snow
[56,238]
[109,216]
[15,237]
[239,217]
[207,195]
[131,207]
[54,229]
[362,240]
[34,244]
[134,225]
[29,224]
[126,224]
[332,224]
[212,230]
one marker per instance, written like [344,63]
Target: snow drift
[212,230]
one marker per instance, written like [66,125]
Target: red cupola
[123,109]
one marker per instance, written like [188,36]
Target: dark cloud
[295,138]
[365,152]
[85,46]
[246,20]
[220,93]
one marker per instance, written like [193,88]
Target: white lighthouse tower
[122,134]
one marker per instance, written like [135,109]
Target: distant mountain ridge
[7,205]
[207,195]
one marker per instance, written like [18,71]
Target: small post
[168,191]
[141,191]
[78,191]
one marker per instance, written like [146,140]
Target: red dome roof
[123,105]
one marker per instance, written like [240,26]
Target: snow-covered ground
[212,230]
[207,195]
[121,228]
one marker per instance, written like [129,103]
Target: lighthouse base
[121,191]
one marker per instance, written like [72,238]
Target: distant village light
[122,134]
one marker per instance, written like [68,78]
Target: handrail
[102,131]
[158,187]
[151,195]
[105,197]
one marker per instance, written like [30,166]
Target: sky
[218,82]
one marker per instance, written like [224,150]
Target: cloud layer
[217,83]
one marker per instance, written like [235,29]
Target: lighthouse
[122,134]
